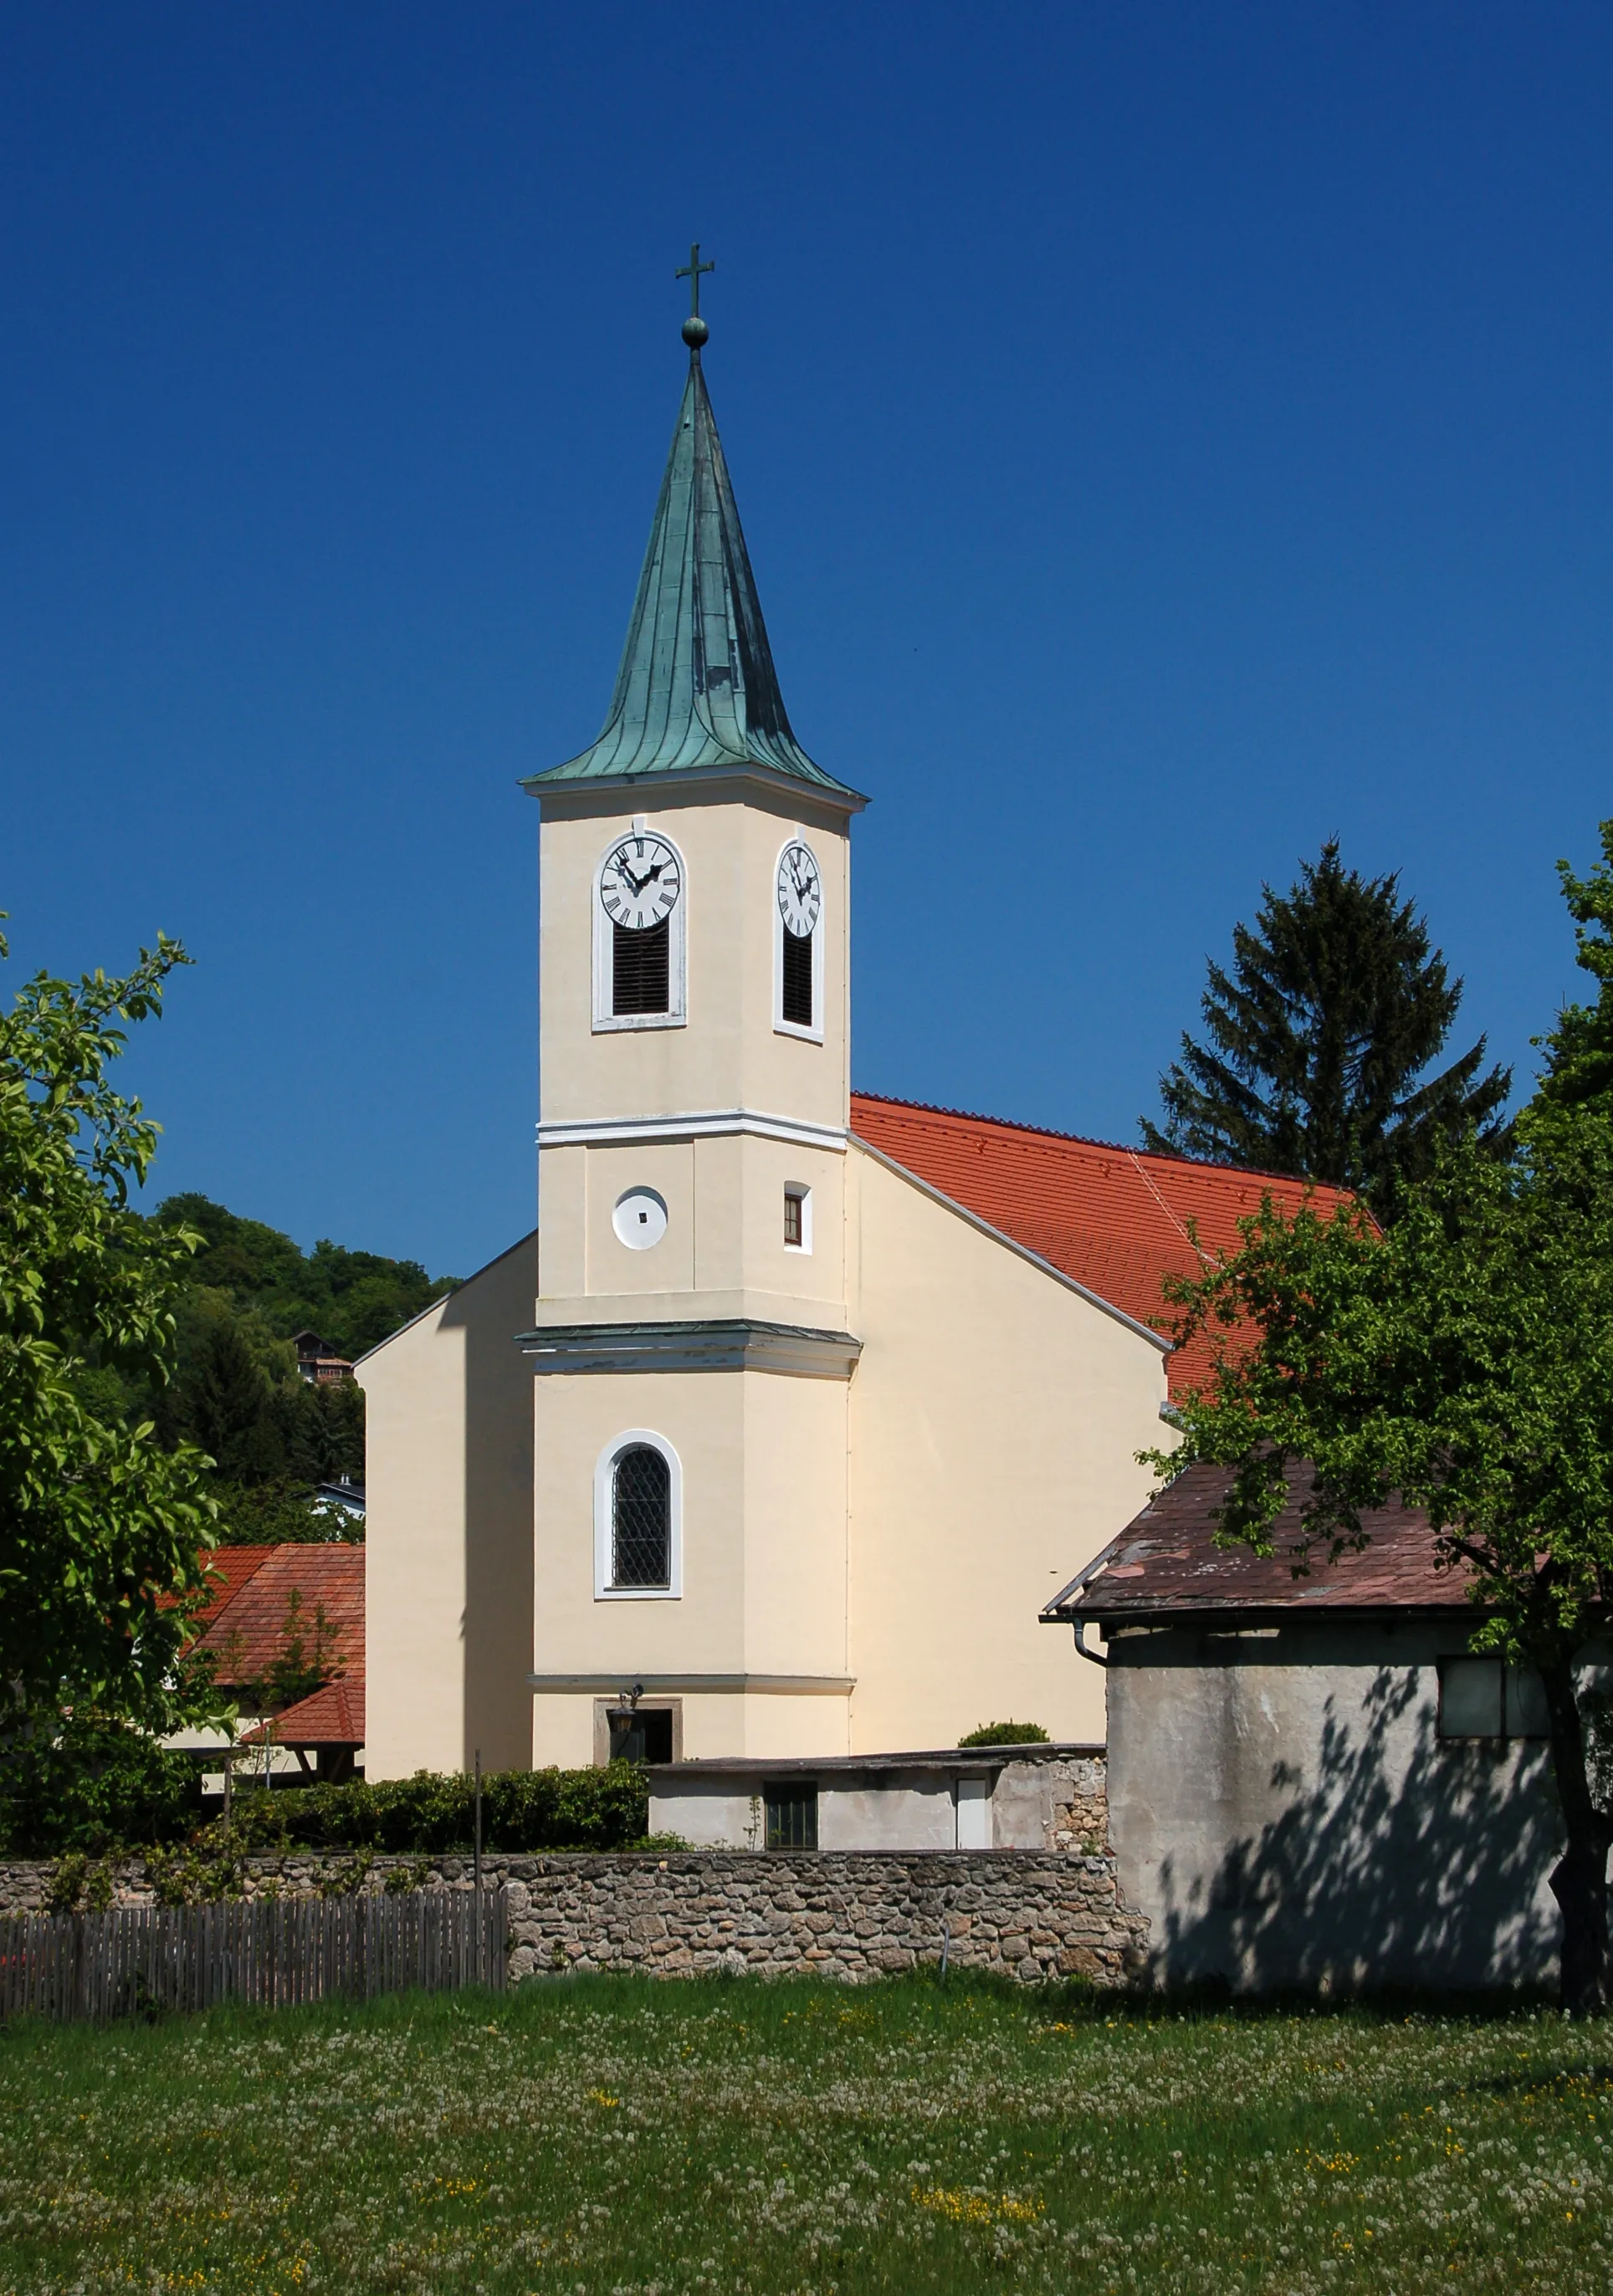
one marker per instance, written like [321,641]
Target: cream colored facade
[877,1427]
[884,1445]
[449,1535]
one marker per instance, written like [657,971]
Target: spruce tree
[1318,1041]
[231,1405]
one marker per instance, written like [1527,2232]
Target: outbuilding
[1001,1797]
[1314,1781]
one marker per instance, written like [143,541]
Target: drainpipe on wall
[1095,1657]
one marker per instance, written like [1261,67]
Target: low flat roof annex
[845,1765]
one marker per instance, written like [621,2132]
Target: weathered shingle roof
[1115,1218]
[1166,1564]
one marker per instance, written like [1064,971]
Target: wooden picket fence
[270,1952]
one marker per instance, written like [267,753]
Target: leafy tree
[352,1298]
[1465,1359]
[1580,1048]
[1006,1734]
[300,1666]
[103,1530]
[1319,1040]
[283,1514]
[80,1783]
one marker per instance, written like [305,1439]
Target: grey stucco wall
[1054,1800]
[1284,1812]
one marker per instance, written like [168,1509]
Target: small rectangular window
[792,1814]
[1526,1715]
[797,991]
[1481,1698]
[794,1230]
[640,1734]
[641,968]
[1470,1698]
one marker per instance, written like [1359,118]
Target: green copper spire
[696,689]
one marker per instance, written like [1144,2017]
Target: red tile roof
[1115,1218]
[249,1632]
[228,1570]
[331,1716]
[1167,1561]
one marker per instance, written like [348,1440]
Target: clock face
[800,890]
[640,881]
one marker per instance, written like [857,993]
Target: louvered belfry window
[641,968]
[641,1519]
[797,979]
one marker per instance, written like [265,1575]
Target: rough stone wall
[1054,1802]
[1030,1914]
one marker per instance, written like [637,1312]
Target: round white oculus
[640,881]
[800,890]
[639,1218]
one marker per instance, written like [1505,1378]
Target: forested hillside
[273,1435]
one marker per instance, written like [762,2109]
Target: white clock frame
[781,1027]
[675,1016]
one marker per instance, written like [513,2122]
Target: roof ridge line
[1092,1140]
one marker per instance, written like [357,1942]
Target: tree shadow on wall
[1382,1872]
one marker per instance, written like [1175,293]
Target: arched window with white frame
[640,909]
[637,1519]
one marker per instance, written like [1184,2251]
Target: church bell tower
[694,1336]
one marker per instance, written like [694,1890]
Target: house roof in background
[247,1634]
[229,1568]
[1113,1218]
[331,1716]
[1166,1565]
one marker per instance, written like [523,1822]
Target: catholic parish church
[792,1412]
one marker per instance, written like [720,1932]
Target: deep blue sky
[1166,435]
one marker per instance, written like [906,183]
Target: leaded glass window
[641,1519]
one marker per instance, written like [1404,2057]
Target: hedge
[98,1792]
[522,1811]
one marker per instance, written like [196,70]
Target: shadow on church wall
[1395,1859]
[497,1626]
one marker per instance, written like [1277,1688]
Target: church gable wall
[449,1549]
[995,1414]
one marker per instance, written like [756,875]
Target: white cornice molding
[776,1686]
[719,1343]
[690,1124]
[1020,1250]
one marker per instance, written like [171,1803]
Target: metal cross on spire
[694,328]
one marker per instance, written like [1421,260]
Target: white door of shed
[974,1800]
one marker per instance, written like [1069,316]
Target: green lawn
[610,2136]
